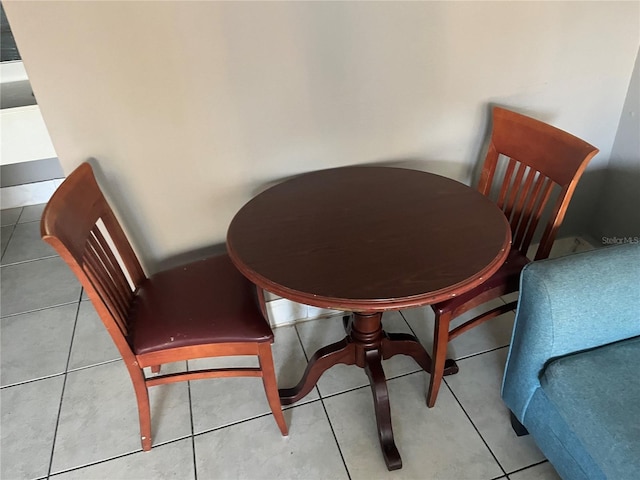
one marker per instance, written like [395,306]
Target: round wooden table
[368,240]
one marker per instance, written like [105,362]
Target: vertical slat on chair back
[107,277]
[81,226]
[532,170]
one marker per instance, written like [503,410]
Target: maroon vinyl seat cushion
[204,302]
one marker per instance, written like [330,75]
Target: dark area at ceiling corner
[8,49]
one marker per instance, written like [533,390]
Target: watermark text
[619,240]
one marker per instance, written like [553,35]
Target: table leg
[325,358]
[367,334]
[373,368]
[407,344]
[365,345]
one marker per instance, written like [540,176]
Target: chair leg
[440,342]
[144,409]
[271,385]
[518,428]
[155,368]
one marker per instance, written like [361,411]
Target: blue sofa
[572,378]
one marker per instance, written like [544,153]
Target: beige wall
[191,107]
[617,217]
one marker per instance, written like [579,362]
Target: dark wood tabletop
[417,237]
[366,240]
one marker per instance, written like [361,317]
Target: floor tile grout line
[194,434]
[416,371]
[91,464]
[324,408]
[29,221]
[116,360]
[30,260]
[406,322]
[410,327]
[98,364]
[59,374]
[64,384]
[360,387]
[12,224]
[245,420]
[473,355]
[304,351]
[13,229]
[395,377]
[464,357]
[17,218]
[22,223]
[193,438]
[541,462]
[20,215]
[266,414]
[40,309]
[476,429]
[335,438]
[352,389]
[115,457]
[32,380]
[79,301]
[306,356]
[15,225]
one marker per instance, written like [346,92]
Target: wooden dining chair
[531,171]
[197,310]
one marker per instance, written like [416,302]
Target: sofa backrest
[585,300]
[570,304]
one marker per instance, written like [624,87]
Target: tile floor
[68,409]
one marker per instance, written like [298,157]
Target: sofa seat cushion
[597,392]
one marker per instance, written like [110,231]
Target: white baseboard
[285,312]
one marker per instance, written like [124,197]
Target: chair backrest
[543,166]
[80,225]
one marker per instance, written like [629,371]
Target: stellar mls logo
[619,240]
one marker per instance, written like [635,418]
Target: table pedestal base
[366,345]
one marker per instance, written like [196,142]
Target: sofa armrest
[567,305]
